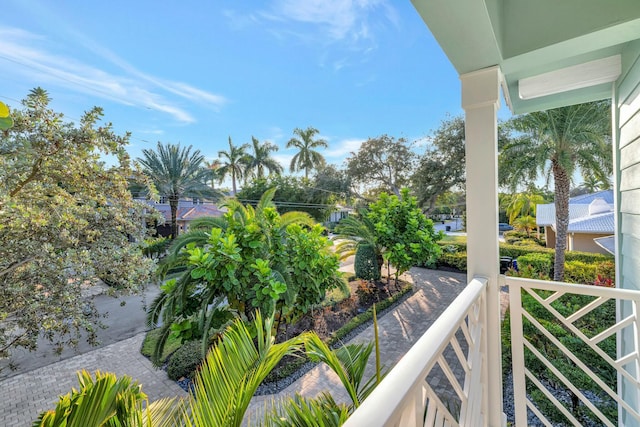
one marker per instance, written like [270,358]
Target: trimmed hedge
[365,264]
[579,272]
[185,360]
[454,255]
[541,263]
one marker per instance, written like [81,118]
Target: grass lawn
[454,239]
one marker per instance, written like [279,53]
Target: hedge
[454,255]
[541,263]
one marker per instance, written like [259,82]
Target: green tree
[66,219]
[233,163]
[256,259]
[558,142]
[307,157]
[261,160]
[214,171]
[523,204]
[441,167]
[382,161]
[406,234]
[176,172]
[292,194]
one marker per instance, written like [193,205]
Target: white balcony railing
[592,329]
[442,380]
[452,348]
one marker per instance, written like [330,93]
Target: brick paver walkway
[24,396]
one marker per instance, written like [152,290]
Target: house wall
[585,243]
[626,125]
[550,237]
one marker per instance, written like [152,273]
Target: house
[188,210]
[591,219]
[540,54]
[341,212]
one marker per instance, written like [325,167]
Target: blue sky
[200,72]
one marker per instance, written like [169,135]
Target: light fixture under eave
[605,70]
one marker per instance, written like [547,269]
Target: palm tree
[592,183]
[558,142]
[233,163]
[261,159]
[214,170]
[523,204]
[176,172]
[306,158]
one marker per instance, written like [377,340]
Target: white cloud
[343,148]
[25,53]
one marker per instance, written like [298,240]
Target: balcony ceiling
[552,53]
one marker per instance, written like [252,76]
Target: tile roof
[607,195]
[607,243]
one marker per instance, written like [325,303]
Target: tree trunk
[233,182]
[173,204]
[562,183]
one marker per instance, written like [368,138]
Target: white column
[480,100]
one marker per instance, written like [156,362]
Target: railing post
[480,100]
[517,354]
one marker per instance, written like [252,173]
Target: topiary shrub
[579,272]
[185,360]
[365,265]
[541,263]
[457,260]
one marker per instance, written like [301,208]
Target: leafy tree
[292,194]
[382,161]
[441,167]
[6,121]
[261,159]
[233,163]
[176,172]
[406,234]
[258,259]
[593,183]
[331,184]
[556,143]
[395,228]
[307,157]
[66,218]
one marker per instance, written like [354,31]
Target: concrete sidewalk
[24,396]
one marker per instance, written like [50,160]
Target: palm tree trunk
[562,183]
[173,204]
[233,182]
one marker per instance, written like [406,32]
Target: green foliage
[541,263]
[261,160]
[579,272]
[150,342]
[383,161]
[606,270]
[176,172]
[107,401]
[184,361]
[457,260]
[306,158]
[365,264]
[258,259]
[233,163]
[299,411]
[66,219]
[405,233]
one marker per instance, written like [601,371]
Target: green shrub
[185,360]
[579,272]
[456,260]
[365,264]
[541,263]
[606,270]
[149,344]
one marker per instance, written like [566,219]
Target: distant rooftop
[588,213]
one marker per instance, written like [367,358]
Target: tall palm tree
[557,143]
[261,159]
[233,163]
[214,171]
[307,158]
[176,172]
